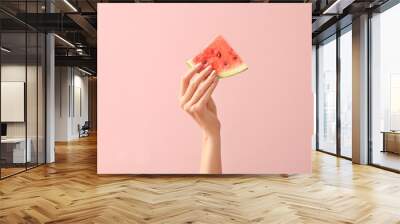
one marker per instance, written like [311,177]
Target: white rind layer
[231,72]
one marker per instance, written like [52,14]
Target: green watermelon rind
[231,72]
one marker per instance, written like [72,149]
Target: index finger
[207,95]
[187,77]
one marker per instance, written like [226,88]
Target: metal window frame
[44,74]
[337,34]
[387,5]
[381,9]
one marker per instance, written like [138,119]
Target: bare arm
[211,155]
[197,87]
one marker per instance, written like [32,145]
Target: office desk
[391,141]
[13,150]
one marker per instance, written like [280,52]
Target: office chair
[84,130]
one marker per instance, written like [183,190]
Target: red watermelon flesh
[222,57]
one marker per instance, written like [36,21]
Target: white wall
[34,126]
[9,73]
[71,96]
[83,82]
[15,72]
[62,82]
[12,101]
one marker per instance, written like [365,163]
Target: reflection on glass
[386,89]
[327,96]
[14,153]
[314,66]
[31,101]
[346,94]
[22,90]
[41,98]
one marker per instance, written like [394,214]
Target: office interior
[49,94]
[48,91]
[333,61]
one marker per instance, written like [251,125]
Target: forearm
[211,154]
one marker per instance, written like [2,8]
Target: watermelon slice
[221,56]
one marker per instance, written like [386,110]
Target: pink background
[266,112]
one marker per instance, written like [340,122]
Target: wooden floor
[387,159]
[5,172]
[69,191]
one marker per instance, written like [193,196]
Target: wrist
[211,135]
[212,130]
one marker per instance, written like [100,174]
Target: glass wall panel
[41,98]
[346,93]
[32,86]
[314,78]
[327,95]
[22,88]
[385,89]
[32,95]
[14,153]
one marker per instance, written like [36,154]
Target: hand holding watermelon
[222,58]
[197,86]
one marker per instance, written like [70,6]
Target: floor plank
[70,191]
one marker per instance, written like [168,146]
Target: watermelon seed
[234,58]
[219,54]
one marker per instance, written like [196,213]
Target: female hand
[197,86]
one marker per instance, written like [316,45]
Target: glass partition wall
[327,95]
[345,62]
[385,89]
[334,93]
[22,91]
[13,89]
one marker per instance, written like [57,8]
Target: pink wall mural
[264,114]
